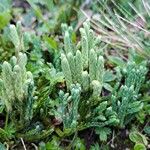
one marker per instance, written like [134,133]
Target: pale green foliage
[16,36]
[85,80]
[68,46]
[66,70]
[69,107]
[96,88]
[83,66]
[125,101]
[17,87]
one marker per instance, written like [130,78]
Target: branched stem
[6,121]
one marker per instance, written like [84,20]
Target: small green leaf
[108,87]
[137,137]
[51,41]
[74,38]
[117,61]
[108,76]
[139,146]
[4,19]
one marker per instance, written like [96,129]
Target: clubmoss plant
[69,107]
[17,87]
[125,100]
[84,66]
[16,37]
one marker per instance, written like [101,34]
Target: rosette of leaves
[126,99]
[16,90]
